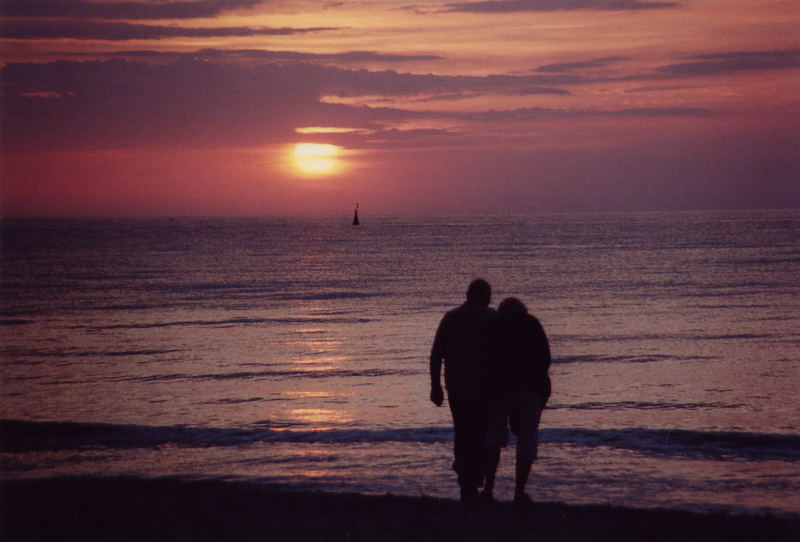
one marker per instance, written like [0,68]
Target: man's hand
[437,394]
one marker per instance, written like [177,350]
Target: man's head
[479,292]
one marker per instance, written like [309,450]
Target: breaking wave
[23,436]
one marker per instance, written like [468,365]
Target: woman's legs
[491,460]
[528,409]
[523,470]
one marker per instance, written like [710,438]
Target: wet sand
[118,509]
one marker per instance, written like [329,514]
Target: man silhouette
[460,343]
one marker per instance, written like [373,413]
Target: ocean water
[294,351]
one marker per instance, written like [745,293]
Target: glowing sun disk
[316,157]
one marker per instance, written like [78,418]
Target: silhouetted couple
[495,371]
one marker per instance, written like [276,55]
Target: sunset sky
[143,108]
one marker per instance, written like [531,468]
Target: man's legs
[496,438]
[469,423]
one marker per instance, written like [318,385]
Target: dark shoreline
[118,509]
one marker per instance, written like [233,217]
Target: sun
[316,158]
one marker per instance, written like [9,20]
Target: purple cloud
[392,83]
[248,56]
[116,31]
[563,67]
[511,6]
[718,63]
[540,113]
[82,9]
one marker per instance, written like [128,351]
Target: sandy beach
[163,509]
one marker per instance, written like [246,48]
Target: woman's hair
[511,306]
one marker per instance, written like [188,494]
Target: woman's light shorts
[526,408]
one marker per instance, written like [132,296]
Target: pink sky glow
[188,107]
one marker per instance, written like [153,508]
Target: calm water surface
[294,351]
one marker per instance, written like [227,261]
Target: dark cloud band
[514,6]
[81,9]
[116,31]
[714,64]
[254,55]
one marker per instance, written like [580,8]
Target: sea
[293,351]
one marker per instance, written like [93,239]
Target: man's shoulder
[468,310]
[450,317]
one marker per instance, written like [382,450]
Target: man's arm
[437,355]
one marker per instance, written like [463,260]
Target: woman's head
[511,306]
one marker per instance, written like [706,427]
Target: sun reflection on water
[315,352]
[307,394]
[321,419]
[318,363]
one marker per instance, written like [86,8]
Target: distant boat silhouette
[355,216]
